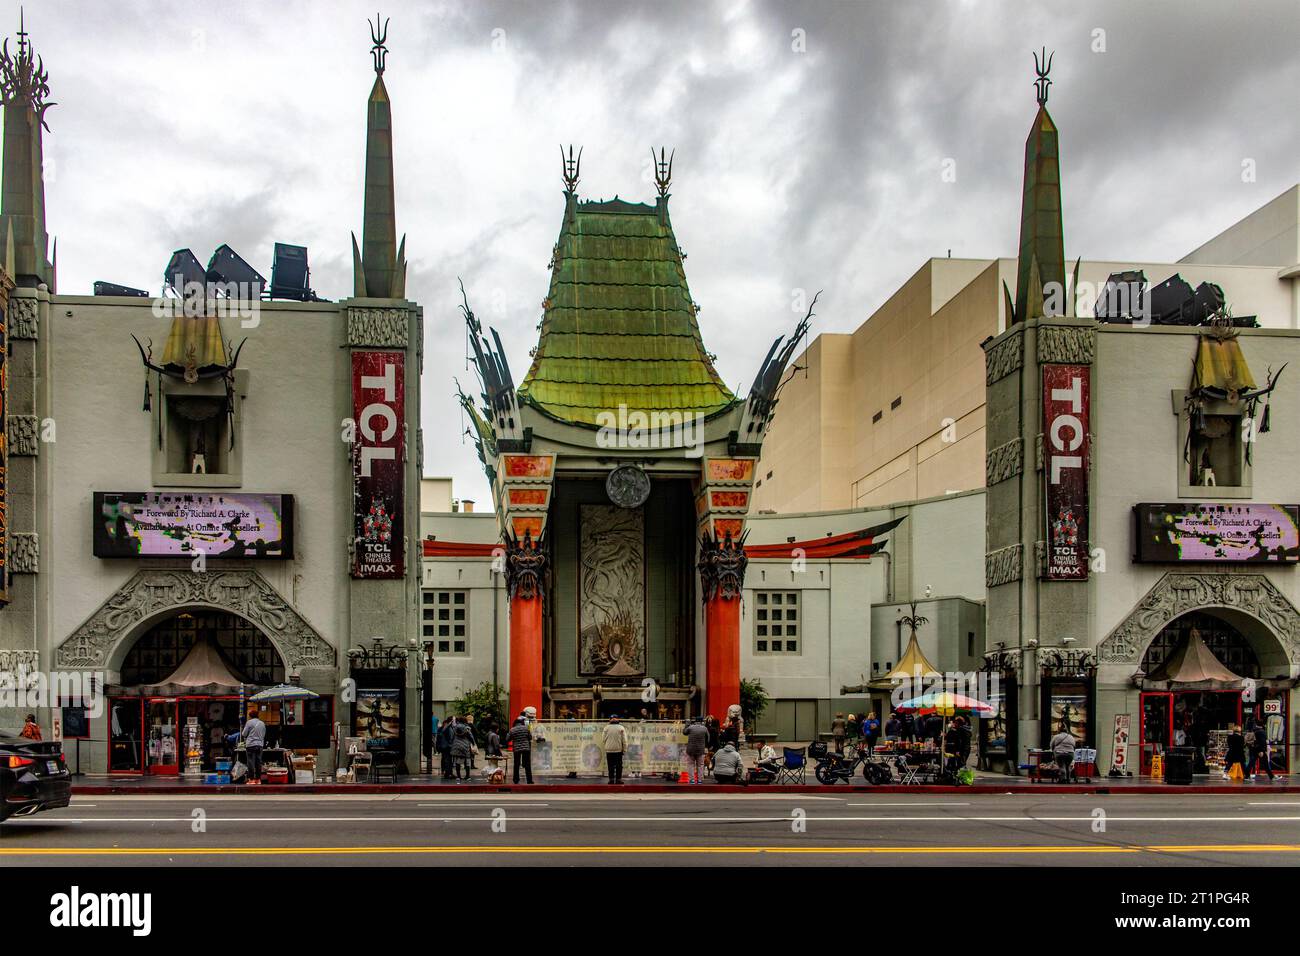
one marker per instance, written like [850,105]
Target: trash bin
[1178,765]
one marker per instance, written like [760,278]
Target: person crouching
[728,766]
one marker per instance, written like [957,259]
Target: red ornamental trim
[459,549]
[525,526]
[731,469]
[1066,454]
[528,466]
[728,526]
[851,544]
[527,496]
[729,499]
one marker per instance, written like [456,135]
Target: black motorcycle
[833,767]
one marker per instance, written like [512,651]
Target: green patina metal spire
[24,86]
[379,265]
[619,326]
[1042,243]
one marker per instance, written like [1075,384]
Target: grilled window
[776,622]
[445,621]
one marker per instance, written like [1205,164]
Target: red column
[525,654]
[722,652]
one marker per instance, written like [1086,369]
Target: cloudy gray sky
[811,139]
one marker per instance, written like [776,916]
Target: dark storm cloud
[811,139]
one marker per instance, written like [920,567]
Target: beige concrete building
[894,411]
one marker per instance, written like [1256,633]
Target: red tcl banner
[378,464]
[1065,470]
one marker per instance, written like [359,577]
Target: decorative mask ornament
[525,566]
[722,566]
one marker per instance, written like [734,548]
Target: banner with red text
[1065,470]
[378,464]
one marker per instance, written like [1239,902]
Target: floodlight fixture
[232,274]
[183,269]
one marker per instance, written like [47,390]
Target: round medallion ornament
[628,486]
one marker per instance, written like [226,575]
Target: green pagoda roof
[619,326]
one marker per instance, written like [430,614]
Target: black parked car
[33,776]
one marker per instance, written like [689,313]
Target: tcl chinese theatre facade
[621,469]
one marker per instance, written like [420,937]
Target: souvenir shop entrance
[162,735]
[181,688]
[1201,677]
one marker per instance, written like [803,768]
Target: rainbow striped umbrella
[946,703]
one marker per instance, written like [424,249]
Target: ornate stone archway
[151,593]
[1177,593]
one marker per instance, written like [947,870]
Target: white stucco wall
[455,673]
[298,394]
[835,621]
[1137,456]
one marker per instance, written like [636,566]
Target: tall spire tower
[24,88]
[1042,244]
[379,266]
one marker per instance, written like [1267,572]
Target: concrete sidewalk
[96,785]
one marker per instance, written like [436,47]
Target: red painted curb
[99,790]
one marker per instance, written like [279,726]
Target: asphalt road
[705,829]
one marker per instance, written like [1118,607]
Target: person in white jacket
[615,747]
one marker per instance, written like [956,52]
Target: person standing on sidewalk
[615,747]
[893,726]
[462,748]
[697,746]
[1236,752]
[443,744]
[1062,747]
[254,737]
[870,730]
[1257,741]
[520,740]
[956,746]
[839,728]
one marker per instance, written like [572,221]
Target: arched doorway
[1177,711]
[181,683]
[161,649]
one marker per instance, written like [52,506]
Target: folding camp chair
[907,770]
[793,765]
